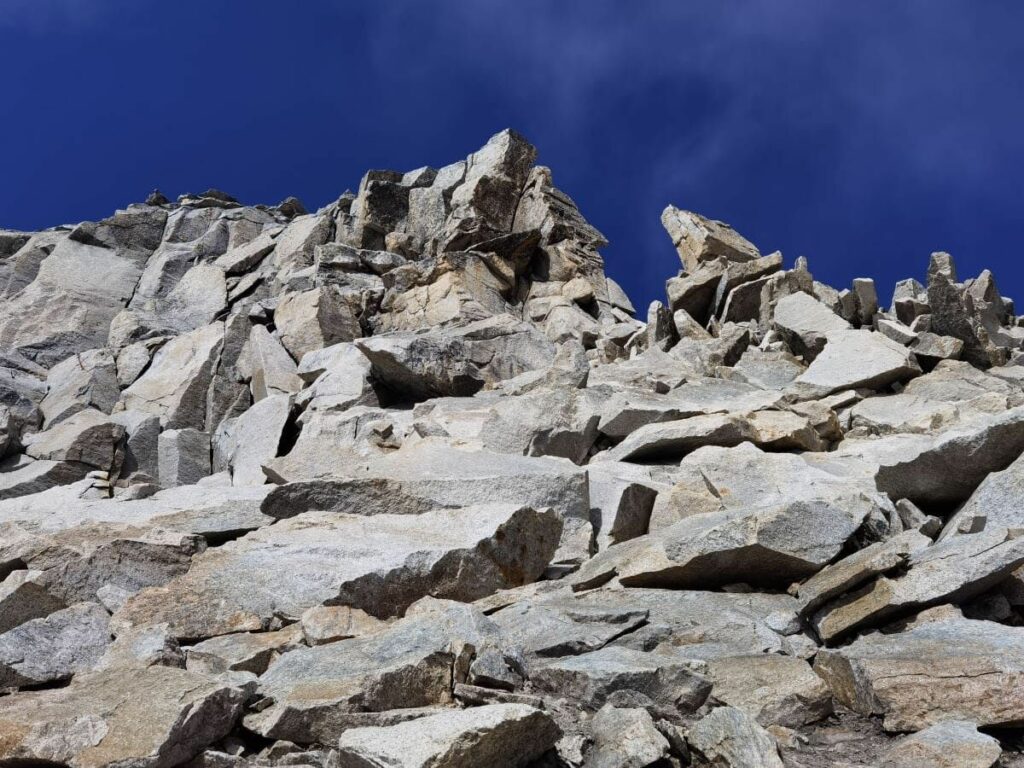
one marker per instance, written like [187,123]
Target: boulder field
[405,482]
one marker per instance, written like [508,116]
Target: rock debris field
[405,483]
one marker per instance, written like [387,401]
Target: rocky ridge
[404,483]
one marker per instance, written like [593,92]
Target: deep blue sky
[862,134]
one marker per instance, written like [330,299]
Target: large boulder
[97,721]
[498,735]
[943,668]
[379,563]
[698,239]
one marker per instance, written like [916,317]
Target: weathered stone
[175,384]
[430,475]
[273,370]
[695,293]
[804,322]
[457,361]
[85,380]
[314,319]
[245,257]
[626,409]
[96,721]
[316,692]
[698,239]
[625,738]
[995,504]
[666,679]
[379,563]
[949,744]
[771,688]
[54,648]
[329,623]
[951,571]
[855,359]
[621,499]
[866,298]
[499,735]
[257,436]
[184,457]
[948,668]
[242,651]
[23,598]
[140,648]
[88,437]
[767,545]
[141,445]
[732,739]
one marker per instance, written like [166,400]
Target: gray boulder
[379,563]
[184,713]
[940,669]
[730,738]
[499,735]
[698,239]
[54,648]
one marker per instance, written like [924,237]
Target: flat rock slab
[952,571]
[949,668]
[97,721]
[317,693]
[666,678]
[498,735]
[52,649]
[766,546]
[431,474]
[379,563]
[856,359]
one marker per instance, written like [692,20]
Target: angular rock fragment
[664,679]
[430,475]
[944,669]
[698,239]
[804,322]
[316,692]
[625,738]
[175,384]
[949,744]
[273,370]
[764,546]
[730,738]
[951,571]
[852,571]
[314,319]
[772,688]
[257,437]
[23,597]
[379,563]
[856,359]
[184,457]
[500,735]
[85,380]
[88,437]
[456,362]
[52,649]
[97,719]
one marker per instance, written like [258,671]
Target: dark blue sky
[863,135]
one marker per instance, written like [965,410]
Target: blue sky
[863,135]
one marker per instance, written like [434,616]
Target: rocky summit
[406,483]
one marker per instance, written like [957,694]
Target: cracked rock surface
[407,481]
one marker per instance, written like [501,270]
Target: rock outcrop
[404,481]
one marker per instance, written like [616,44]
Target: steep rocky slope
[405,483]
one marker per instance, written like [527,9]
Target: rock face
[404,482]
